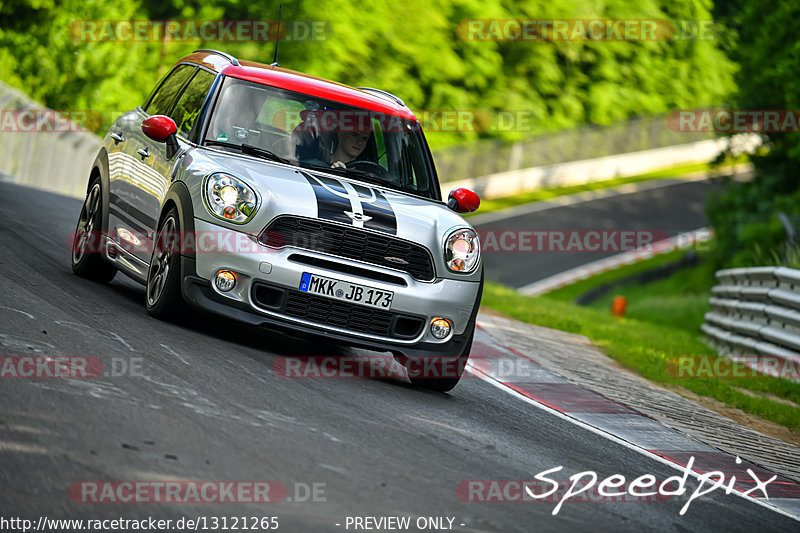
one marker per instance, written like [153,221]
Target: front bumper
[260,266]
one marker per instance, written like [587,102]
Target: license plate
[348,292]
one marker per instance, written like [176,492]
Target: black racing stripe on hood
[332,183]
[376,206]
[330,206]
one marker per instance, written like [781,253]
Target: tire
[163,298]
[449,367]
[87,259]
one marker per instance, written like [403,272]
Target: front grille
[349,242]
[335,313]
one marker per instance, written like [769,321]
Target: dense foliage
[746,217]
[412,49]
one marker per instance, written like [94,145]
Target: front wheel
[163,295]
[440,373]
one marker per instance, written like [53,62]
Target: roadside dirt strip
[567,374]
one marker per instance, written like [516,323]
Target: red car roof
[302,83]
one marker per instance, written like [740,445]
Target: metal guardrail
[486,157]
[755,317]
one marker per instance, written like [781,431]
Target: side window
[165,96]
[380,144]
[406,158]
[412,153]
[188,107]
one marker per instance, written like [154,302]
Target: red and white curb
[546,390]
[572,275]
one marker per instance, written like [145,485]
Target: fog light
[225,280]
[440,327]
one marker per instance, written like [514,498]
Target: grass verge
[648,345]
[680,300]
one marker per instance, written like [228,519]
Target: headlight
[462,251]
[229,198]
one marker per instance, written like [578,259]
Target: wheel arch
[178,196]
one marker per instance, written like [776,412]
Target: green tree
[414,50]
[746,216]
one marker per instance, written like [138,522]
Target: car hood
[290,190]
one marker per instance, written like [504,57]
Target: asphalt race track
[204,403]
[665,211]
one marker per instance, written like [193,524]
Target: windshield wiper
[374,177]
[249,149]
[356,173]
[255,150]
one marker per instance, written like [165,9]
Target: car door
[148,182]
[121,168]
[125,138]
[157,170]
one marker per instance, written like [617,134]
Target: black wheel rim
[161,264]
[85,236]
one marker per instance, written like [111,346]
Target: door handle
[117,138]
[143,152]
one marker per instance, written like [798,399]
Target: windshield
[321,134]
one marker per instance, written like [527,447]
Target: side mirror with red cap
[162,129]
[463,200]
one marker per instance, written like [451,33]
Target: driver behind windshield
[353,148]
[334,139]
[349,147]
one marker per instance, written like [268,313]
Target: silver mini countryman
[291,202]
